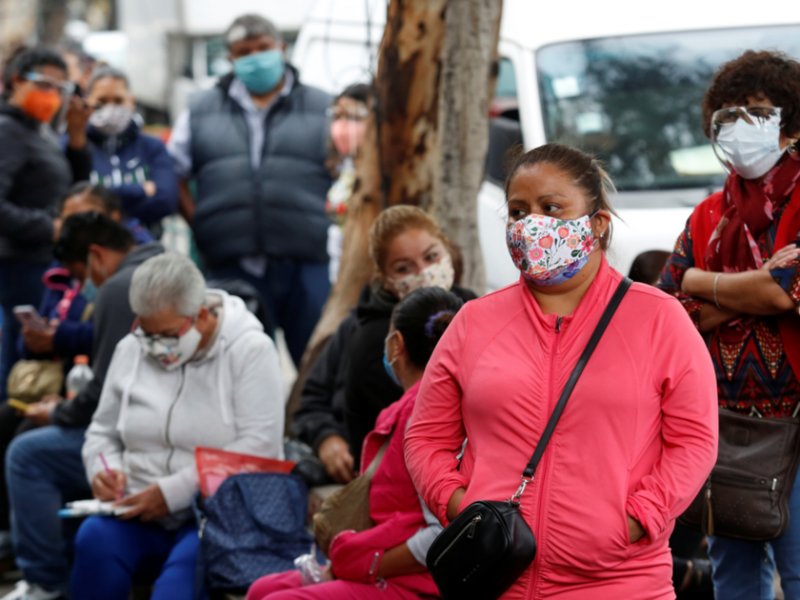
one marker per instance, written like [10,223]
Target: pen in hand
[109,471]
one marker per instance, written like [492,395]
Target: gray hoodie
[150,420]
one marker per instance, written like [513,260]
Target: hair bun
[437,323]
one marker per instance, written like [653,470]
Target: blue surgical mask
[88,288]
[388,365]
[260,72]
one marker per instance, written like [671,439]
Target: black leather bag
[489,545]
[747,494]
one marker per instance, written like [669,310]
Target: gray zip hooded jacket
[149,420]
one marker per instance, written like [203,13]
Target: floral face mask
[440,274]
[550,251]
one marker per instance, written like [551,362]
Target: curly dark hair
[772,75]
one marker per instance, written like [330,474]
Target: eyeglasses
[335,112]
[47,83]
[753,115]
[167,340]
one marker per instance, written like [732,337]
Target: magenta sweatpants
[288,586]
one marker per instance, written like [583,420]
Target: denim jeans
[745,570]
[112,555]
[44,470]
[294,293]
[20,283]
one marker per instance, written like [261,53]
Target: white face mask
[111,119]
[170,352]
[751,149]
[440,274]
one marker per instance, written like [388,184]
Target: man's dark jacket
[113,319]
[277,210]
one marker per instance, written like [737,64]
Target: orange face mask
[42,105]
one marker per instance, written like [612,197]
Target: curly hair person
[764,75]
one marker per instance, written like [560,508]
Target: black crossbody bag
[489,545]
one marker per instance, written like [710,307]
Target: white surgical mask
[111,119]
[170,352]
[749,139]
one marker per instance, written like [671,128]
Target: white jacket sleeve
[102,435]
[258,401]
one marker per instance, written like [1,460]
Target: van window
[636,101]
[505,130]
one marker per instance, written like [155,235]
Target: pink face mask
[347,135]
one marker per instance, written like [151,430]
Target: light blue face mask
[260,72]
[88,288]
[388,365]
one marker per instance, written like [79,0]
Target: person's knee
[20,453]
[97,538]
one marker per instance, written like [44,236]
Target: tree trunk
[468,75]
[398,158]
[17,25]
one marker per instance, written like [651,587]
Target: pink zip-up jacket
[393,505]
[638,435]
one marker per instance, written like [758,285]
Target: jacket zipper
[169,419]
[543,466]
[469,530]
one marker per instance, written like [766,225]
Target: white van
[624,80]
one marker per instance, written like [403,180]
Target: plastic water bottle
[79,375]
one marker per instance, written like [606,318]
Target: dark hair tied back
[422,317]
[436,325]
[585,171]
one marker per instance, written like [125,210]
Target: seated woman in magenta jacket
[638,436]
[387,561]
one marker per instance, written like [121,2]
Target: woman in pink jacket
[387,561]
[639,434]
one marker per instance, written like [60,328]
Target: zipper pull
[558,324]
[472,525]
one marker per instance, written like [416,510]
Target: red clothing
[756,359]
[394,507]
[638,436]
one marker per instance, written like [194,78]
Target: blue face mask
[388,365]
[88,288]
[260,72]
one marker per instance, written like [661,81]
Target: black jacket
[368,388]
[34,176]
[321,411]
[113,319]
[277,209]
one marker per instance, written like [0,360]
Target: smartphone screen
[29,316]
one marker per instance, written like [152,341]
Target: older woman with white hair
[197,370]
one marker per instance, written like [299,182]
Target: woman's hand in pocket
[635,530]
[454,503]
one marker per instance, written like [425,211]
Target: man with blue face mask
[256,145]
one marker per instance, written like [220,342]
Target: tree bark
[397,161]
[469,62]
[17,25]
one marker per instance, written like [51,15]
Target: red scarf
[747,212]
[721,242]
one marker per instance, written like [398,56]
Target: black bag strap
[527,475]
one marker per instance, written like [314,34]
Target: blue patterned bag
[252,526]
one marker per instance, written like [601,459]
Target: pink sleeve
[436,431]
[682,368]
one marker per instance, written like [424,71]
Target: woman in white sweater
[197,370]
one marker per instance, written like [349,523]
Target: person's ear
[202,319]
[116,215]
[399,346]
[601,223]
